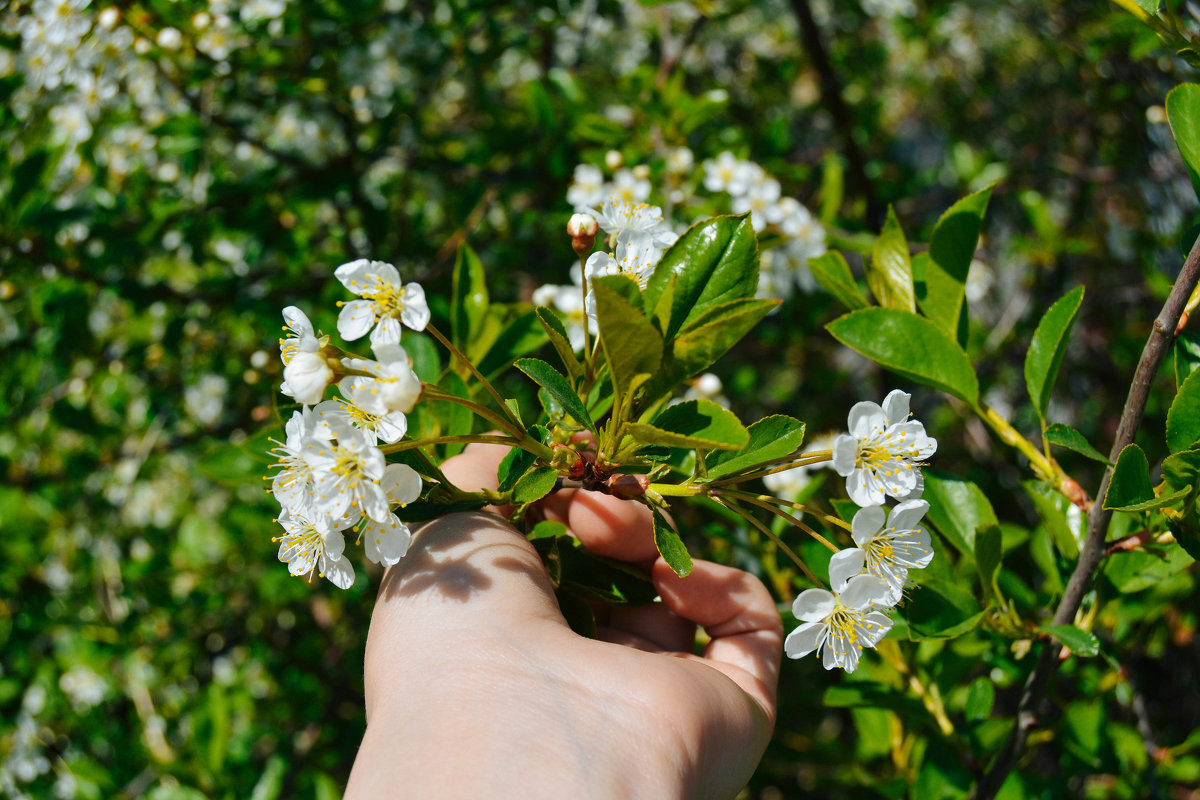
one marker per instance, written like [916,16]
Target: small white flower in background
[296,321]
[83,686]
[680,161]
[386,542]
[628,188]
[882,454]
[706,387]
[293,483]
[587,188]
[307,373]
[169,39]
[393,385]
[386,301]
[721,174]
[314,542]
[346,473]
[568,301]
[841,622]
[790,482]
[892,549]
[761,199]
[205,399]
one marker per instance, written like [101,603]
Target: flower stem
[784,464]
[733,506]
[761,502]
[476,438]
[434,393]
[454,351]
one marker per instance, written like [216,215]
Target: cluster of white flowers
[331,475]
[751,189]
[880,457]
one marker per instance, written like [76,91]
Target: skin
[476,686]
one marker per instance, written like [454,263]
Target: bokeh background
[173,173]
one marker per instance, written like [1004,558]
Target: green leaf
[1183,418]
[1165,499]
[909,346]
[468,297]
[424,354]
[547,529]
[1182,470]
[1136,571]
[559,388]
[557,332]
[770,437]
[1081,642]
[632,345]
[714,262]
[1047,347]
[693,424]
[833,187]
[600,578]
[573,605]
[940,610]
[516,462]
[889,272]
[981,696]
[703,341]
[1183,113]
[957,508]
[270,783]
[1066,436]
[951,249]
[988,553]
[452,419]
[670,546]
[1187,355]
[523,335]
[534,485]
[1130,484]
[833,273]
[1063,521]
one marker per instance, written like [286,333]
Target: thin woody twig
[1157,346]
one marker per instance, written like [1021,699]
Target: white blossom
[587,188]
[840,623]
[386,542]
[292,485]
[892,543]
[882,454]
[627,187]
[618,216]
[346,473]
[307,373]
[761,199]
[300,328]
[392,385]
[722,175]
[314,542]
[386,302]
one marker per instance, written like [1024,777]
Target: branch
[831,97]
[1157,346]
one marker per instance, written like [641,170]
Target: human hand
[476,686]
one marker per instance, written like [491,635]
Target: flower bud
[627,487]
[109,18]
[613,159]
[306,376]
[582,229]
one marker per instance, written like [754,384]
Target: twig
[1157,345]
[831,98]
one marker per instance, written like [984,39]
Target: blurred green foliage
[165,194]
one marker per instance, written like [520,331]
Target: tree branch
[831,97]
[1157,346]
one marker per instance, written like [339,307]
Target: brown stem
[1157,346]
[831,98]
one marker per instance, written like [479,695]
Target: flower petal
[866,592]
[813,605]
[297,321]
[339,571]
[355,319]
[875,626]
[866,524]
[895,406]
[401,483]
[804,640]
[386,332]
[866,419]
[905,516]
[845,454]
[863,488]
[844,565]
[416,311]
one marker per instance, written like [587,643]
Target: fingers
[739,614]
[475,467]
[653,627]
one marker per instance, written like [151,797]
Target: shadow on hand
[446,558]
